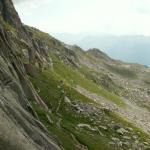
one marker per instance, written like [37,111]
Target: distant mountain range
[130,48]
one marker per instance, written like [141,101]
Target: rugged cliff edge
[57,96]
[18,52]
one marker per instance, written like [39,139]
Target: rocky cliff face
[19,54]
[57,96]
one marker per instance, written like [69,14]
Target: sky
[117,17]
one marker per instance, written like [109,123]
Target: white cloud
[111,16]
[27,6]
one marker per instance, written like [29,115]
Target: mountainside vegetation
[57,96]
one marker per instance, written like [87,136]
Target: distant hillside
[133,48]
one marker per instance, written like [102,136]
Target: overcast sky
[89,16]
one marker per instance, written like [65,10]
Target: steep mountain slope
[79,80]
[56,96]
[19,128]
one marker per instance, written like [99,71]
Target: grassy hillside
[76,121]
[75,77]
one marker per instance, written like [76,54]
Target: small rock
[86,126]
[116,127]
[135,137]
[119,143]
[126,137]
[130,129]
[145,143]
[67,100]
[115,139]
[126,143]
[136,142]
[103,127]
[111,143]
[121,131]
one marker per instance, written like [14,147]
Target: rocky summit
[57,96]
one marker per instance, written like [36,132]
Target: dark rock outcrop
[19,55]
